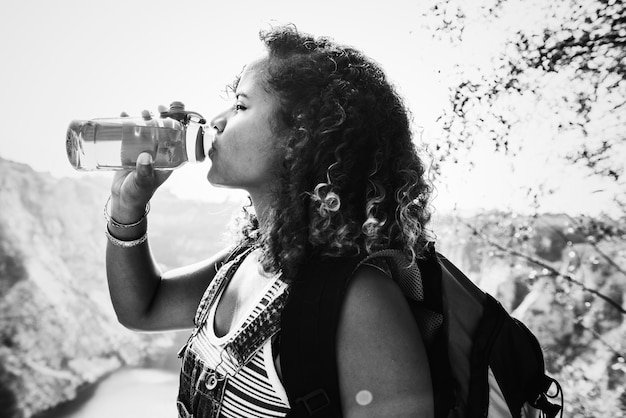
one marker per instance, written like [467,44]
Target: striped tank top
[243,357]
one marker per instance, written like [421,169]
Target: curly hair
[351,181]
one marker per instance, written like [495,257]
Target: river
[129,392]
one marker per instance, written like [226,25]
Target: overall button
[211,382]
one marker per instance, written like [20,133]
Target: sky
[82,59]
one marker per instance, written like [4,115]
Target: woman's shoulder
[372,285]
[376,326]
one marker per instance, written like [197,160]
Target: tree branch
[599,337]
[605,256]
[548,268]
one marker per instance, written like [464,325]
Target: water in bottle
[115,143]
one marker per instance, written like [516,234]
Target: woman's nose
[219,121]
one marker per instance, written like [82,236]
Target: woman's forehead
[252,76]
[248,82]
[257,66]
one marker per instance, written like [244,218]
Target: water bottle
[173,138]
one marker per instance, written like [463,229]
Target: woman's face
[245,152]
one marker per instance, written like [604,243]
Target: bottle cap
[177,107]
[177,111]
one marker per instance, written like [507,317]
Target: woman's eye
[239,106]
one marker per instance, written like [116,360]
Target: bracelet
[119,225]
[125,244]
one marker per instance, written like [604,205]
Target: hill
[58,331]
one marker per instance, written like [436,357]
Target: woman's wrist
[125,243]
[119,215]
[123,223]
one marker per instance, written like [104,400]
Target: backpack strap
[309,326]
[463,309]
[308,337]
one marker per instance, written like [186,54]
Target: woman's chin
[217,181]
[213,177]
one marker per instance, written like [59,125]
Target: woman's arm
[143,298]
[382,363]
[146,300]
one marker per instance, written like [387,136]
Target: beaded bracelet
[120,225]
[125,244]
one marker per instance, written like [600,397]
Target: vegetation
[561,66]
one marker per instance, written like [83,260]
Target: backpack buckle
[315,401]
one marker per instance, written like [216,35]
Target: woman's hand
[132,190]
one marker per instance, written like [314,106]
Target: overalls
[202,389]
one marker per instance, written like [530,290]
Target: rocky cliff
[58,332]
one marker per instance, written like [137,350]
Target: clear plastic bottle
[173,138]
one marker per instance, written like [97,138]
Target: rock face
[58,331]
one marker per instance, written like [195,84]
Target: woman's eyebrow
[244,95]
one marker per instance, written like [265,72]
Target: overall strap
[308,337]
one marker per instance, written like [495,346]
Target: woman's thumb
[144,169]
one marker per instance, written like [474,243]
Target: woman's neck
[262,207]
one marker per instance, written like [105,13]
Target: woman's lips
[212,146]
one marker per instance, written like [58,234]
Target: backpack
[483,362]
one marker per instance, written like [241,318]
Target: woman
[321,142]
